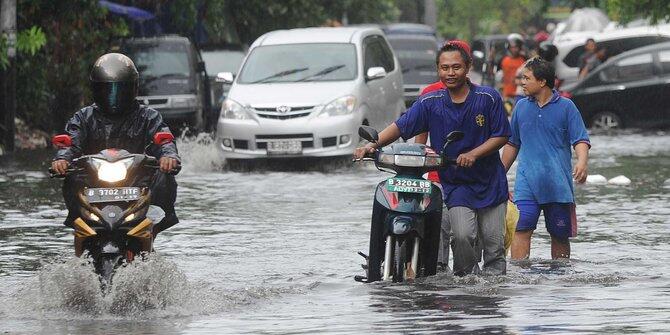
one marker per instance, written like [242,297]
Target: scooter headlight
[409,161]
[386,158]
[112,172]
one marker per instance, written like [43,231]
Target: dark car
[629,90]
[226,58]
[172,79]
[416,54]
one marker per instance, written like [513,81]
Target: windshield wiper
[323,72]
[281,74]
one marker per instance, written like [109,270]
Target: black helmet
[114,81]
[547,51]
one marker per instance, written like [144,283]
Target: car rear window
[664,59]
[630,68]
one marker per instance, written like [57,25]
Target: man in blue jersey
[475,191]
[544,127]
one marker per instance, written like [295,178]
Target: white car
[615,40]
[305,92]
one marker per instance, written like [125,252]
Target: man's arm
[580,171]
[386,136]
[167,153]
[509,155]
[491,145]
[76,129]
[421,138]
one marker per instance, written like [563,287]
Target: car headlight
[112,172]
[409,161]
[184,102]
[233,110]
[340,106]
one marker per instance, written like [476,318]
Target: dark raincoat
[92,132]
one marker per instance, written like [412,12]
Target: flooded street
[275,253]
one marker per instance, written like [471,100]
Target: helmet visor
[114,97]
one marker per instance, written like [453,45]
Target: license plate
[284,147]
[112,194]
[408,185]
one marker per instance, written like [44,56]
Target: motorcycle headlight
[340,106]
[113,172]
[233,110]
[386,159]
[409,161]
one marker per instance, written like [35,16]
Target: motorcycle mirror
[163,138]
[62,141]
[368,133]
[453,137]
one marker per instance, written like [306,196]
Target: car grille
[241,144]
[328,141]
[307,140]
[272,113]
[156,101]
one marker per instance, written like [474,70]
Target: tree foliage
[627,10]
[466,19]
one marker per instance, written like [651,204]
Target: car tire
[606,121]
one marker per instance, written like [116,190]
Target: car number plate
[408,185]
[287,147]
[112,194]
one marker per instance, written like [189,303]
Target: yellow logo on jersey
[480,120]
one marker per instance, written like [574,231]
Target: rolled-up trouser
[489,222]
[163,194]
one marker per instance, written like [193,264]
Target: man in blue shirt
[475,191]
[544,127]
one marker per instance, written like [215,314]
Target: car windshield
[222,61]
[415,54]
[164,67]
[300,62]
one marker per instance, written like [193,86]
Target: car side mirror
[163,138]
[375,73]
[368,133]
[201,66]
[62,141]
[453,137]
[225,77]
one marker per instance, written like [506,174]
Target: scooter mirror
[368,133]
[163,138]
[62,141]
[452,137]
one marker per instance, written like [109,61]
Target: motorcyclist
[117,120]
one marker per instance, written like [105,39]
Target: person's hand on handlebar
[167,164]
[360,152]
[60,166]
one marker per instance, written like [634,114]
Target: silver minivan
[305,92]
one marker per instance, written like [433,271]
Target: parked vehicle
[304,92]
[410,29]
[616,41]
[407,211]
[173,79]
[629,90]
[225,58]
[114,200]
[416,54]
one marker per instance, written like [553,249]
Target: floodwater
[275,253]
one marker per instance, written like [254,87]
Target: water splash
[199,153]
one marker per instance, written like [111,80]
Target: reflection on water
[275,252]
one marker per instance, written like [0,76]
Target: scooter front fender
[411,203]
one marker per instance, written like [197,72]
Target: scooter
[407,211]
[114,203]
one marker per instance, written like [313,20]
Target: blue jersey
[544,137]
[479,117]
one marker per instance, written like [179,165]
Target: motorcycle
[114,202]
[407,211]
